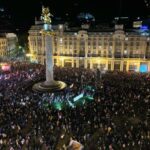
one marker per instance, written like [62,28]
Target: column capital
[51,33]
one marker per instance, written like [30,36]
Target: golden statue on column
[46,15]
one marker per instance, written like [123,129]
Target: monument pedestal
[52,86]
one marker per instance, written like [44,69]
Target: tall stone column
[127,67]
[121,65]
[112,65]
[85,63]
[49,58]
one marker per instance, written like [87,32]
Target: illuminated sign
[6,67]
[137,24]
[143,68]
[78,97]
[144,28]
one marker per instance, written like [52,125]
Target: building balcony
[81,55]
[118,55]
[137,56]
[71,55]
[93,55]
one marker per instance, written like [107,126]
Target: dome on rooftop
[86,17]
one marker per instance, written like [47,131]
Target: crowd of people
[117,118]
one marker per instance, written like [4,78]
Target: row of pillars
[112,63]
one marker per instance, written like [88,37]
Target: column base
[52,86]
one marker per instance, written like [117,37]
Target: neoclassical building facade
[3,46]
[114,49]
[7,43]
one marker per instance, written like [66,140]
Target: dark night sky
[24,11]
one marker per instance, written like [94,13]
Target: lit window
[61,40]
[125,51]
[60,26]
